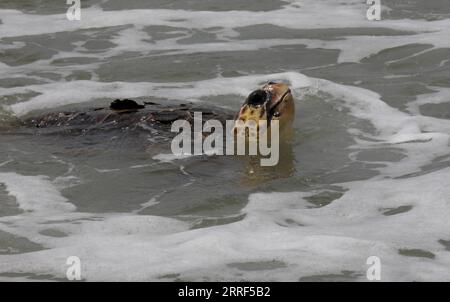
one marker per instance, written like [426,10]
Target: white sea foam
[35,194]
[423,138]
[333,15]
[441,95]
[64,93]
[169,157]
[279,227]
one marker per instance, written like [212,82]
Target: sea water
[367,172]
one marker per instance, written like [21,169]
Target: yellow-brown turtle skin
[278,105]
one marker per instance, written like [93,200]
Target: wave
[289,237]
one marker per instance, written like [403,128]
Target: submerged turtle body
[140,125]
[123,115]
[123,124]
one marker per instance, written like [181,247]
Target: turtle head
[273,101]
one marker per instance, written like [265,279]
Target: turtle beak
[276,106]
[268,103]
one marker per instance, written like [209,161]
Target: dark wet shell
[104,119]
[169,116]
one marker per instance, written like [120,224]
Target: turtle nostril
[257,97]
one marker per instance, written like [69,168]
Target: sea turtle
[273,101]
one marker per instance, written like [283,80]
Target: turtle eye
[257,98]
[271,83]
